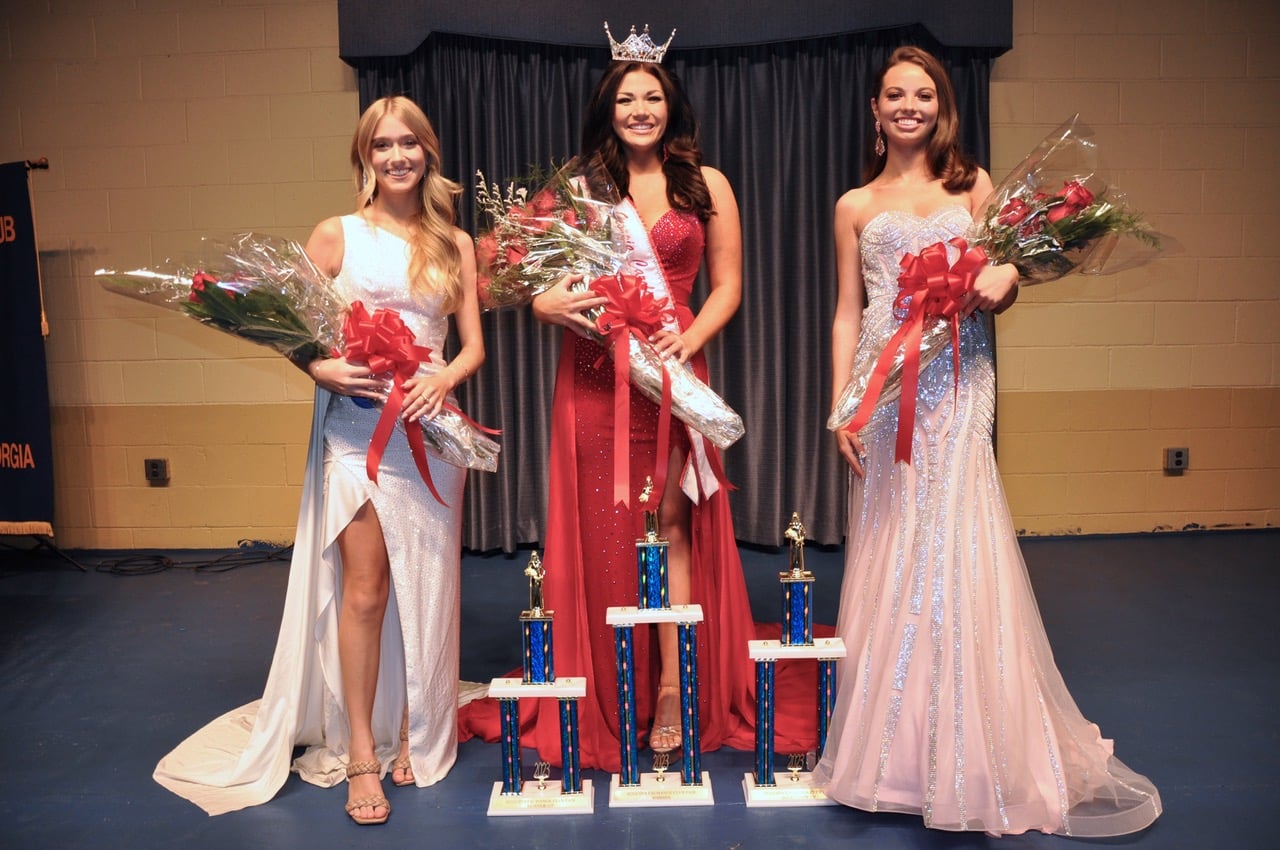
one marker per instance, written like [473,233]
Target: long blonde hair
[435,263]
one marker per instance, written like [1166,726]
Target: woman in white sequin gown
[949,703]
[365,671]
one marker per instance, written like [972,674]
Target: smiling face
[640,111]
[396,156]
[907,106]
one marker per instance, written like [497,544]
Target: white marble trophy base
[660,789]
[793,789]
[540,798]
[823,649]
[630,615]
[545,800]
[570,687]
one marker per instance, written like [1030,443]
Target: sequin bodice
[884,241]
[678,238]
[378,279]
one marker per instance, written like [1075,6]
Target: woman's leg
[366,583]
[675,518]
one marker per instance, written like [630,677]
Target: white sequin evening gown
[949,704]
[243,758]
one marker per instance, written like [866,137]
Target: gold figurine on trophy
[535,626]
[650,516]
[797,590]
[651,557]
[795,534]
[536,572]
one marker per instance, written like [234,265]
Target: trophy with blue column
[512,795]
[629,787]
[762,788]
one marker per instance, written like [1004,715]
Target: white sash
[632,239]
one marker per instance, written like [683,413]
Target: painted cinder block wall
[1098,375]
[168,119]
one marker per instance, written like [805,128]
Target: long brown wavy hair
[435,264]
[686,189]
[946,159]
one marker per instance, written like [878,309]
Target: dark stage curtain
[789,124]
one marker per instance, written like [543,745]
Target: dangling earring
[664,151]
[879,141]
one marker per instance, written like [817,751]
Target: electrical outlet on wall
[157,471]
[1176,460]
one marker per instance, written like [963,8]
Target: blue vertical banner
[26,445]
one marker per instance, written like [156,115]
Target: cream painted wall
[1097,375]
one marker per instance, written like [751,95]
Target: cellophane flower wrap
[572,224]
[537,236]
[1054,215]
[265,289]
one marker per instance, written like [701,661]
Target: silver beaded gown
[949,704]
[243,757]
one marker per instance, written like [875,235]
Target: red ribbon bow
[386,344]
[929,288]
[632,311]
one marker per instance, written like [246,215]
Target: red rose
[1075,194]
[486,251]
[1072,199]
[1014,212]
[198,283]
[543,203]
[516,254]
[570,217]
[531,218]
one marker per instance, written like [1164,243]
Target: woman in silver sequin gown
[949,703]
[365,673]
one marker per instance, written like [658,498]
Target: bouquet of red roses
[266,289]
[263,289]
[533,241]
[1054,215]
[570,225]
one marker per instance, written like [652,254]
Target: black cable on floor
[135,565]
[143,565]
[243,558]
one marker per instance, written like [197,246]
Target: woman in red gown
[640,124]
[641,135]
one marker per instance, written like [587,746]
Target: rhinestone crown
[638,48]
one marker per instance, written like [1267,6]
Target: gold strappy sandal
[360,768]
[402,761]
[664,738]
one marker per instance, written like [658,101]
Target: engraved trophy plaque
[512,795]
[629,787]
[762,788]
